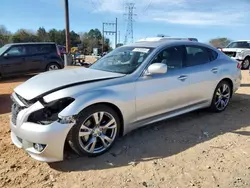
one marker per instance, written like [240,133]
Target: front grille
[231,54]
[15,109]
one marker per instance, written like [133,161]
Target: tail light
[239,65]
[58,51]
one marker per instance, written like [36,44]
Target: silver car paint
[140,99]
[60,78]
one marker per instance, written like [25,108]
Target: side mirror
[157,68]
[5,55]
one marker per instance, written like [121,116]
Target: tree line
[85,41]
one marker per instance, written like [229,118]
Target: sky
[202,19]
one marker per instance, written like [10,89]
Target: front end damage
[38,128]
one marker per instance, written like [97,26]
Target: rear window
[213,54]
[42,49]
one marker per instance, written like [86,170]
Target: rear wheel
[222,96]
[52,66]
[246,63]
[95,131]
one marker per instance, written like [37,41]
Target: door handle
[182,77]
[214,70]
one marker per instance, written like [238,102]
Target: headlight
[50,111]
[240,53]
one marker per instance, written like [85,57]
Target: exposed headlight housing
[66,119]
[50,111]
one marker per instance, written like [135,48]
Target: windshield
[123,60]
[241,44]
[3,49]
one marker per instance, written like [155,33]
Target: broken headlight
[50,112]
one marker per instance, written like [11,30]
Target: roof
[161,43]
[167,38]
[241,41]
[29,43]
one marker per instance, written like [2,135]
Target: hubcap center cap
[97,132]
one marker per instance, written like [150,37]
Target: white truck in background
[240,51]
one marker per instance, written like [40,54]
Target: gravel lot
[199,149]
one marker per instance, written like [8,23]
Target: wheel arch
[248,56]
[115,108]
[230,82]
[53,62]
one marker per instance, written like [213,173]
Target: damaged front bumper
[42,142]
[52,137]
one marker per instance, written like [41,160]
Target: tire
[245,64]
[52,66]
[221,97]
[87,138]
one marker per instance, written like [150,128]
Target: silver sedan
[132,86]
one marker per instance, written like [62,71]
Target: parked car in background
[240,51]
[21,58]
[132,86]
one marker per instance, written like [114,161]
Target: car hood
[55,80]
[234,49]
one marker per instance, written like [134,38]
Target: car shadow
[164,139]
[5,103]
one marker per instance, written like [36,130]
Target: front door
[14,60]
[161,93]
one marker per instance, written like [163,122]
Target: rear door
[202,73]
[36,57]
[14,60]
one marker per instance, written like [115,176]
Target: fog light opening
[39,147]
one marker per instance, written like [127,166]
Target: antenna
[129,7]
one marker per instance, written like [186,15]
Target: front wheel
[95,131]
[221,97]
[246,63]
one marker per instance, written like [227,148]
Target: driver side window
[172,57]
[17,51]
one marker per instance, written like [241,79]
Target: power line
[130,19]
[146,8]
[109,32]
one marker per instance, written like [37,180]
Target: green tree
[42,35]
[23,35]
[74,39]
[93,39]
[5,35]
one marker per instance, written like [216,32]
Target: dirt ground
[199,149]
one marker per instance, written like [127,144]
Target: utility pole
[67,34]
[119,37]
[103,37]
[130,13]
[109,32]
[115,32]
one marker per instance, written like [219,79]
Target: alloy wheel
[245,64]
[222,97]
[97,132]
[53,67]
